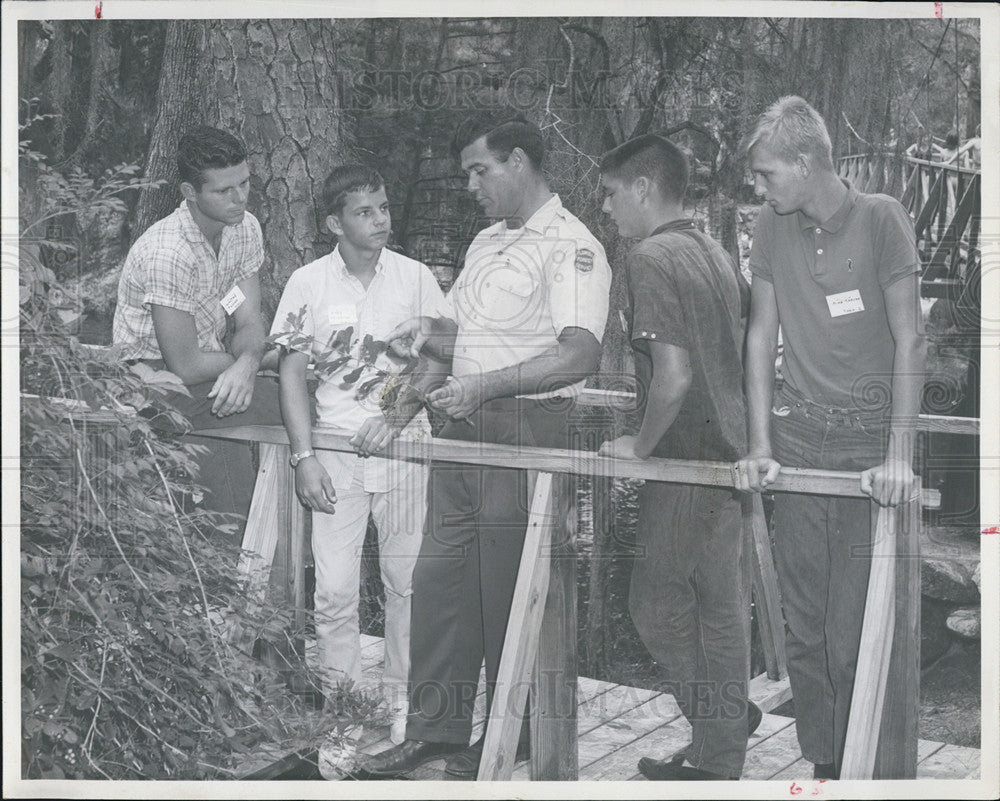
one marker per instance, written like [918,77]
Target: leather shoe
[675,770]
[408,755]
[465,764]
[649,766]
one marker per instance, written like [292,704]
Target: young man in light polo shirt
[363,285]
[522,331]
[838,270]
[181,280]
[689,596]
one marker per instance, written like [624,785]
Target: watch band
[298,457]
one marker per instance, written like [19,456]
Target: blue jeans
[822,554]
[689,600]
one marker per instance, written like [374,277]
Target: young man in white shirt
[365,286]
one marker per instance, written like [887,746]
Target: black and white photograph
[410,394]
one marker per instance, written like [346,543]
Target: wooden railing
[541,634]
[944,202]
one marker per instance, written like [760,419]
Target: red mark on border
[98,9]
[991,530]
[794,789]
[939,10]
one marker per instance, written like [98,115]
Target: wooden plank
[260,538]
[872,672]
[772,755]
[951,762]
[597,712]
[769,693]
[897,746]
[803,768]
[521,640]
[621,749]
[770,620]
[555,460]
[939,423]
[553,681]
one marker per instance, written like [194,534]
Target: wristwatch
[298,457]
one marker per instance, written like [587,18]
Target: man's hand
[889,484]
[406,339]
[621,448]
[313,485]
[459,397]
[233,389]
[755,472]
[374,436]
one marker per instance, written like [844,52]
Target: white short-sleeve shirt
[520,287]
[333,300]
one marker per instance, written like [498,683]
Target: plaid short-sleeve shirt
[172,264]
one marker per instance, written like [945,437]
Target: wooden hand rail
[554,460]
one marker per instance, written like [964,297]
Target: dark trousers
[822,555]
[463,583]
[225,469]
[689,601]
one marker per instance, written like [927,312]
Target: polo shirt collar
[340,267]
[836,221]
[540,221]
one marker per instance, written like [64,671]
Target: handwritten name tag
[233,300]
[845,303]
[343,314]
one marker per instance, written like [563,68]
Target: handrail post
[554,755]
[897,747]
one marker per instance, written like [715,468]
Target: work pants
[463,583]
[690,604]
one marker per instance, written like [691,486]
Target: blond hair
[791,127]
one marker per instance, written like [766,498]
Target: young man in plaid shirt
[182,280]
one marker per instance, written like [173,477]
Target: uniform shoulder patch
[584,260]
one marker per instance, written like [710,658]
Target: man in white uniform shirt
[522,329]
[371,289]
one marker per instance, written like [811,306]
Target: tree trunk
[179,107]
[274,85]
[100,62]
[60,85]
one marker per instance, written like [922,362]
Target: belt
[856,414]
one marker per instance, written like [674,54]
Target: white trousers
[337,541]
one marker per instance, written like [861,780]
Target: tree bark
[273,84]
[100,62]
[59,85]
[179,106]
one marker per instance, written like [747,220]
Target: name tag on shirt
[343,314]
[233,300]
[845,303]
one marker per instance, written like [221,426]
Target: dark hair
[650,156]
[503,131]
[204,148]
[345,179]
[951,141]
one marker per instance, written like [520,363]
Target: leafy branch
[356,361]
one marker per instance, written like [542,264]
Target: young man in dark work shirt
[688,596]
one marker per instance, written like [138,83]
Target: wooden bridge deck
[618,724]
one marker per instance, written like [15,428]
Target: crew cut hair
[791,127]
[346,179]
[205,148]
[503,131]
[649,156]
